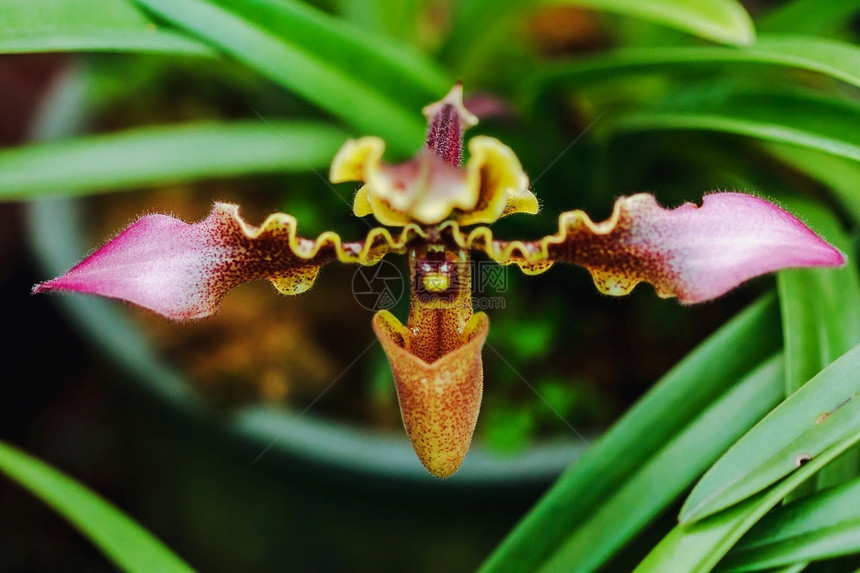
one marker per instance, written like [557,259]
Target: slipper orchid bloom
[694,253]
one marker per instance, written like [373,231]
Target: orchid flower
[694,253]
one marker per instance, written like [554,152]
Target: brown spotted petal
[694,253]
[182,270]
[439,402]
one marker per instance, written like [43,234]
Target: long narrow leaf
[392,68]
[833,58]
[396,19]
[793,568]
[821,320]
[820,307]
[723,21]
[128,545]
[821,526]
[669,407]
[335,67]
[698,547]
[150,156]
[800,327]
[809,16]
[87,25]
[827,543]
[788,117]
[824,412]
[837,173]
[669,471]
[801,336]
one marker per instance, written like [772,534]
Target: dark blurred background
[55,402]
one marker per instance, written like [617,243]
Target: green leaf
[836,59]
[723,21]
[87,25]
[821,414]
[669,471]
[128,545]
[698,547]
[821,319]
[801,329]
[837,173]
[820,526]
[793,568]
[376,87]
[794,117]
[395,19]
[669,407]
[820,307]
[156,155]
[809,16]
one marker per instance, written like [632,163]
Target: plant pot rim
[57,240]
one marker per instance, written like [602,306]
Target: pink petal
[182,270]
[699,253]
[694,253]
[159,263]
